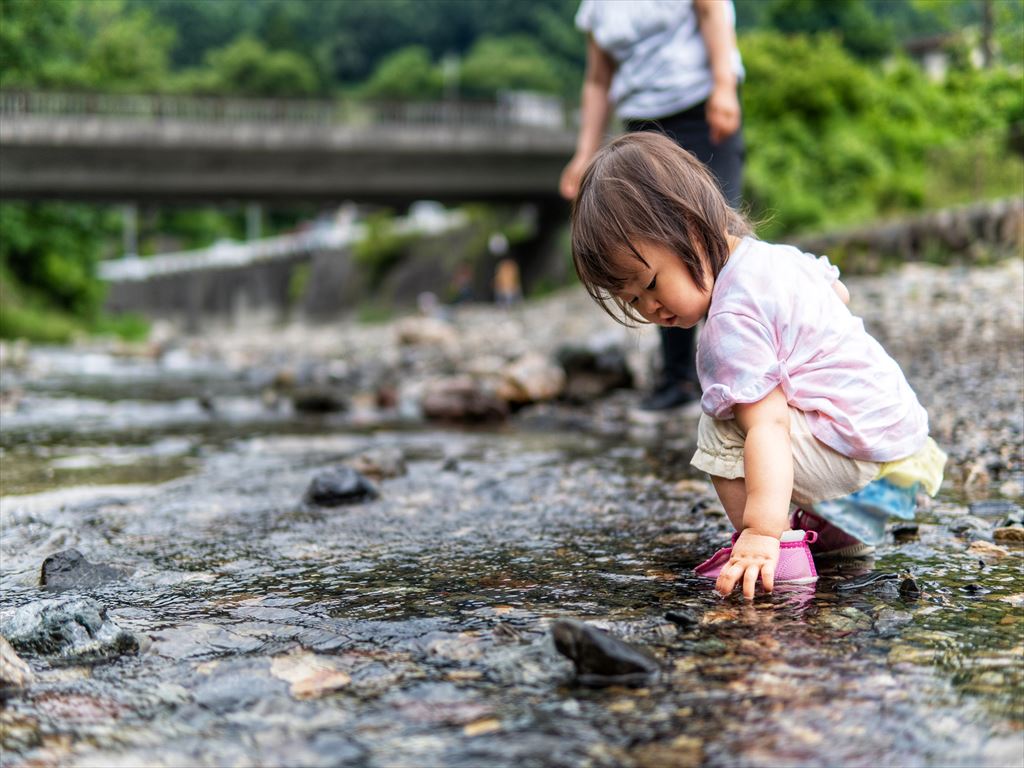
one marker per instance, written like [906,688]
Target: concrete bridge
[101,147]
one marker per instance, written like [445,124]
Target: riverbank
[250,625]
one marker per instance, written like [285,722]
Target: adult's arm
[723,106]
[595,109]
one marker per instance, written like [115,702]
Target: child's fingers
[768,576]
[728,577]
[750,581]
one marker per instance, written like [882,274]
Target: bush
[834,141]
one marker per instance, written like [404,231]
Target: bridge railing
[513,109]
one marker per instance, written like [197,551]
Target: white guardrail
[230,254]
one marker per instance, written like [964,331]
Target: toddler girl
[800,404]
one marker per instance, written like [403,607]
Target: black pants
[689,129]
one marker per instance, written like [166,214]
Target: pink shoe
[832,541]
[795,566]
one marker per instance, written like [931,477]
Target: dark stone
[76,629]
[600,658]
[319,399]
[909,588]
[970,526]
[340,485]
[867,580]
[592,371]
[683,617]
[70,570]
[904,531]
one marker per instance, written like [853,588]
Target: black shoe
[668,396]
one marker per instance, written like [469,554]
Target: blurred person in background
[670,66]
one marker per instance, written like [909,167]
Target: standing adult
[670,66]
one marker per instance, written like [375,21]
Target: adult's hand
[723,113]
[569,184]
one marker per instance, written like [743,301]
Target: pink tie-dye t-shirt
[775,321]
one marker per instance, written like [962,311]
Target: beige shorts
[819,472]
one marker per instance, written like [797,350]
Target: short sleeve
[827,269]
[585,16]
[738,363]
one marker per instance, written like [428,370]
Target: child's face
[663,291]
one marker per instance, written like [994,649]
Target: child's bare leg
[733,495]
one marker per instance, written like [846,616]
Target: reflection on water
[412,630]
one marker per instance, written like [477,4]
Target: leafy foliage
[408,74]
[832,140]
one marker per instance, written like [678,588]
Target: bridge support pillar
[546,262]
[253,221]
[130,229]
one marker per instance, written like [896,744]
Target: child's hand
[753,555]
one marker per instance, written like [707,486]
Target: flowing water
[413,629]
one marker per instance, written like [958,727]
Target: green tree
[862,32]
[37,39]
[407,74]
[246,67]
[507,63]
[127,51]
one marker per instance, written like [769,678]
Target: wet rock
[909,589]
[14,672]
[310,676]
[319,398]
[75,629]
[888,622]
[381,463]
[969,527]
[867,580]
[1009,535]
[531,378]
[593,369]
[680,752]
[994,508]
[425,331]
[235,684]
[600,658]
[340,485]
[461,399]
[902,532]
[70,570]
[683,617]
[986,550]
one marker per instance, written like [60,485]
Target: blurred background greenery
[844,125]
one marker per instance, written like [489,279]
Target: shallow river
[413,629]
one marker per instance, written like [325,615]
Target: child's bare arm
[768,470]
[842,291]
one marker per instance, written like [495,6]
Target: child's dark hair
[642,187]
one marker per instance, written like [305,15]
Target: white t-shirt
[774,321]
[662,61]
